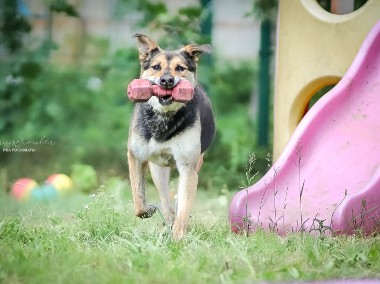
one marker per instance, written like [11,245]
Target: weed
[358,222]
[274,226]
[336,207]
[98,220]
[299,165]
[262,202]
[246,221]
[250,175]
[319,226]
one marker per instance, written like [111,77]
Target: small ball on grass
[61,182]
[21,188]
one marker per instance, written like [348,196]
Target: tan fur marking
[200,163]
[169,67]
[137,177]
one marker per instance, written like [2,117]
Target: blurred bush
[230,88]
[84,177]
[84,112]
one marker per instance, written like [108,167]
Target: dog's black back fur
[162,127]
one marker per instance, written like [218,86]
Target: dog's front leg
[137,171]
[187,188]
[160,177]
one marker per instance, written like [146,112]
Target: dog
[166,134]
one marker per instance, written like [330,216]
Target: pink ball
[21,188]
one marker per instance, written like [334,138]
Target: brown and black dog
[164,134]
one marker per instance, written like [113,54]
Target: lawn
[96,239]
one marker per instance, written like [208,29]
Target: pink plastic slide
[328,177]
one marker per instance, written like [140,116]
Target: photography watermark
[19,150]
[24,145]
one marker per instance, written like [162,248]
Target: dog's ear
[145,45]
[195,51]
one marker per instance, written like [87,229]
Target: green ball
[37,194]
[49,192]
[44,193]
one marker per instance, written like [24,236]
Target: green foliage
[13,26]
[181,27]
[23,68]
[230,88]
[98,220]
[325,4]
[84,110]
[229,85]
[84,177]
[319,95]
[61,6]
[264,9]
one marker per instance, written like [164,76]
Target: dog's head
[167,68]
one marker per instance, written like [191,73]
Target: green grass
[96,239]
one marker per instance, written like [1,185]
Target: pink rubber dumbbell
[183,92]
[141,90]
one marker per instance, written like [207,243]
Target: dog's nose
[167,81]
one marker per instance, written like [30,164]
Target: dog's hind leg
[160,176]
[137,171]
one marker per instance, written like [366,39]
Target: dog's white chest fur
[182,149]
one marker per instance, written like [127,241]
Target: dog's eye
[156,67]
[180,68]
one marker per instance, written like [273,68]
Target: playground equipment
[141,90]
[328,176]
[314,50]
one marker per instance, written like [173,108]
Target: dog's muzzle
[167,81]
[166,100]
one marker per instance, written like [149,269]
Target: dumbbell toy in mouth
[140,90]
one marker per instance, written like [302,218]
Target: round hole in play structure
[319,94]
[341,7]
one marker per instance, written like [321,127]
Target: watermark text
[24,145]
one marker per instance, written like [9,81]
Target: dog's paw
[178,231]
[169,217]
[147,212]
